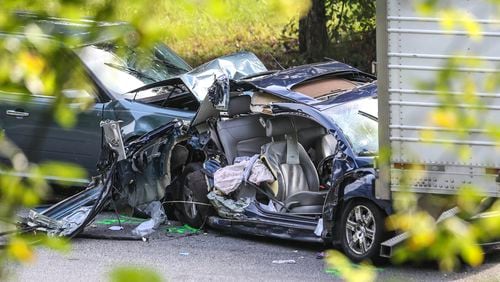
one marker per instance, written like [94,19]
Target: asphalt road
[214,256]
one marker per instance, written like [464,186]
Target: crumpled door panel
[134,173]
[70,216]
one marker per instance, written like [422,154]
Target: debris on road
[182,230]
[284,261]
[121,219]
[320,255]
[158,216]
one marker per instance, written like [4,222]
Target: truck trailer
[439,108]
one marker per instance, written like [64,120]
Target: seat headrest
[239,105]
[279,126]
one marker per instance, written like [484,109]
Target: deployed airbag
[229,178]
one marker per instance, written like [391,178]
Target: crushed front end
[131,175]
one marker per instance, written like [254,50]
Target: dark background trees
[343,30]
[313,35]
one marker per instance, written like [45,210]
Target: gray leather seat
[242,134]
[298,183]
[308,132]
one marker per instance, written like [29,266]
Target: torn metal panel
[146,174]
[113,138]
[136,174]
[234,67]
[70,216]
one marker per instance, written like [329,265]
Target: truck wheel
[195,207]
[362,229]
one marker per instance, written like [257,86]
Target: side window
[53,70]
[80,88]
[77,85]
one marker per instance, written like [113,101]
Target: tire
[361,235]
[193,188]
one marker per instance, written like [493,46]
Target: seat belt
[214,135]
[292,149]
[269,195]
[248,169]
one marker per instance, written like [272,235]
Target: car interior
[291,146]
[325,86]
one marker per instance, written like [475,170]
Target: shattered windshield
[358,121]
[122,69]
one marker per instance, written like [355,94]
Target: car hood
[234,67]
[198,80]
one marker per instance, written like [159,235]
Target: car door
[30,125]
[28,121]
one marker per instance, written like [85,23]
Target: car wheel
[362,229]
[196,206]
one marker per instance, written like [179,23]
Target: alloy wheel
[360,229]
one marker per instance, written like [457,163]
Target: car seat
[242,134]
[296,175]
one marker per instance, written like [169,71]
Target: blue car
[286,154]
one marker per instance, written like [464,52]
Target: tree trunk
[302,35]
[313,36]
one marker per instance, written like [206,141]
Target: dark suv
[109,72]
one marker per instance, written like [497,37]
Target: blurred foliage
[199,31]
[17,192]
[339,265]
[134,274]
[346,17]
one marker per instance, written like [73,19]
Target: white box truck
[413,53]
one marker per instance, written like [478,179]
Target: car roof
[281,83]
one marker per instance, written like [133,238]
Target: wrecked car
[286,154]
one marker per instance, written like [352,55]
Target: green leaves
[20,247]
[62,171]
[134,274]
[340,265]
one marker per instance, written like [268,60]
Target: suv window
[43,73]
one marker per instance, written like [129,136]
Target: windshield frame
[148,55]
